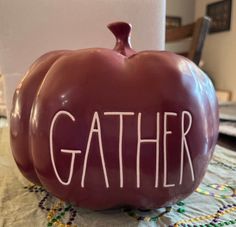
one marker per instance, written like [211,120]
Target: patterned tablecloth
[22,204]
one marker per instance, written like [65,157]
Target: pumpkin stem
[121,31]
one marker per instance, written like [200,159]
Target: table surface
[19,206]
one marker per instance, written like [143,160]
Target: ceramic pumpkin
[108,128]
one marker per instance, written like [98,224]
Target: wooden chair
[197,31]
[223,95]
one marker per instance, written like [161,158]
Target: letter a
[97,130]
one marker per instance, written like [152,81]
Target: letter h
[140,141]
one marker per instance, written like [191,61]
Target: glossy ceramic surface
[108,128]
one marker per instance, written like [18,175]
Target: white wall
[219,53]
[184,9]
[31,27]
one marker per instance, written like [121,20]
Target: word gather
[95,130]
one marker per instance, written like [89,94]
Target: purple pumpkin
[108,128]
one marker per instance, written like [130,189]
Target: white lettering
[121,114]
[97,130]
[73,152]
[185,145]
[156,140]
[166,132]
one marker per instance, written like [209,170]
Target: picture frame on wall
[220,14]
[173,22]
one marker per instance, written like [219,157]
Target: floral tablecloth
[22,204]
